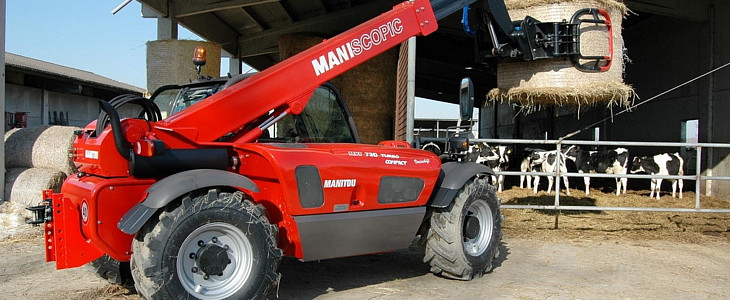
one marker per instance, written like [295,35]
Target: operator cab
[325,119]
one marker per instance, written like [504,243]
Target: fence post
[698,175]
[559,162]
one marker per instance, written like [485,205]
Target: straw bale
[557,81]
[40,147]
[368,89]
[171,62]
[25,185]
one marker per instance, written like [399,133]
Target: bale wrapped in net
[556,81]
[25,185]
[40,147]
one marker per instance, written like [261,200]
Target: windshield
[173,100]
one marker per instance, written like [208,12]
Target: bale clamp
[576,21]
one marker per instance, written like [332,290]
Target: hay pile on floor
[36,159]
[556,81]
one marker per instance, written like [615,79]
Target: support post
[2,98]
[411,90]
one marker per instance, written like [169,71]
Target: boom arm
[287,86]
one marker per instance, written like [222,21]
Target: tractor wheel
[213,246]
[464,238]
[112,270]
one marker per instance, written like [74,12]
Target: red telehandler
[202,194]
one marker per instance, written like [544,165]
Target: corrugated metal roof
[27,63]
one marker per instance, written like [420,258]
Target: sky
[85,35]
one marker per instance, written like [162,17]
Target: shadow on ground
[307,280]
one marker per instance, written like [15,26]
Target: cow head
[636,164]
[572,152]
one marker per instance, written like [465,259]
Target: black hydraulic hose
[119,140]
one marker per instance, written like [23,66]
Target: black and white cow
[548,162]
[612,161]
[527,165]
[497,158]
[660,164]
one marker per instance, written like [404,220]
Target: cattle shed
[667,42]
[43,93]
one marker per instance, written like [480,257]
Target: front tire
[463,238]
[213,246]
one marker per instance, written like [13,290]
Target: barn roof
[51,69]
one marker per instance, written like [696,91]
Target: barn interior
[667,42]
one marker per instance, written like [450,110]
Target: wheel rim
[226,241]
[479,214]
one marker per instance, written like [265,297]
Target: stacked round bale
[556,81]
[37,159]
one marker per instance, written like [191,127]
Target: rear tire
[214,246]
[463,238]
[112,270]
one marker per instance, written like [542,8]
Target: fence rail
[558,144]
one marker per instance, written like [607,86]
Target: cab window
[323,121]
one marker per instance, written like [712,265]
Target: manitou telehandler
[202,193]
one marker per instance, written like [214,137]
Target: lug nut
[214,240]
[195,270]
[201,243]
[193,256]
[225,247]
[206,277]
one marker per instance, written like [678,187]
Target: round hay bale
[40,147]
[25,186]
[557,81]
[171,62]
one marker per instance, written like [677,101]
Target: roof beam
[327,25]
[695,10]
[212,29]
[184,8]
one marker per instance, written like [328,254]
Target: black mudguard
[453,176]
[172,187]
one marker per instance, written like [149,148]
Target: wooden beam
[185,8]
[327,25]
[209,27]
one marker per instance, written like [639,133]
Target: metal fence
[560,144]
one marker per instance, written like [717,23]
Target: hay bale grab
[535,84]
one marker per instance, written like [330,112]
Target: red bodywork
[91,203]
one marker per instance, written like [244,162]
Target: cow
[548,162]
[660,164]
[497,158]
[527,165]
[612,161]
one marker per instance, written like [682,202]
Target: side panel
[351,178]
[356,233]
[92,206]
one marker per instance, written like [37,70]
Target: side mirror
[466,99]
